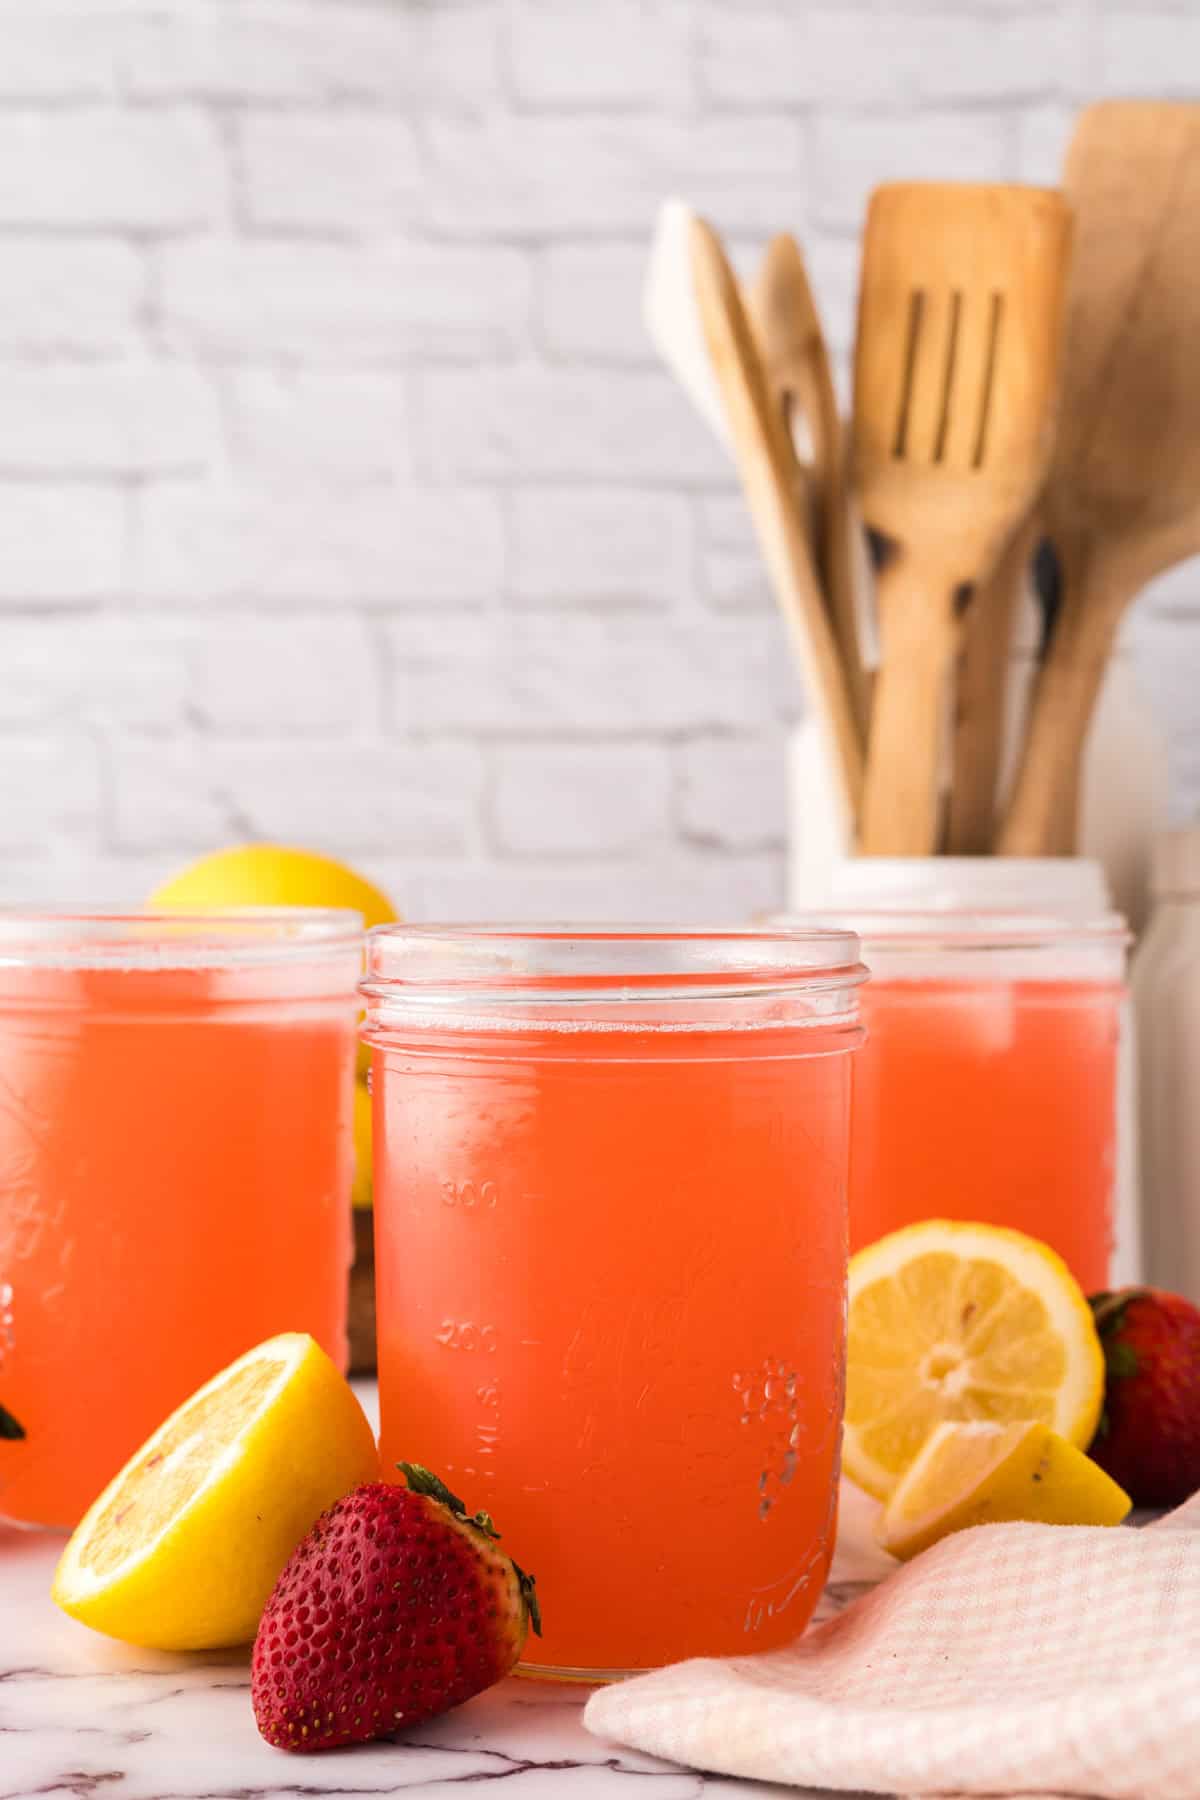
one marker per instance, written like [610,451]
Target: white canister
[1061,887]
[1166,998]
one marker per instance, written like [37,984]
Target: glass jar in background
[175,1160]
[1166,997]
[1072,888]
[610,1191]
[987,1088]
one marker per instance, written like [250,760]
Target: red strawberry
[1149,1436]
[395,1607]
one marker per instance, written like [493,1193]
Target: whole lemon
[273,875]
[362,1192]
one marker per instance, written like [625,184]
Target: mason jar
[610,1192]
[175,1160]
[988,1086]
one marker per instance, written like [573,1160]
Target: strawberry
[395,1607]
[1149,1436]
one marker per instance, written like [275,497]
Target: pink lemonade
[993,1102]
[175,1159]
[610,1261]
[986,1089]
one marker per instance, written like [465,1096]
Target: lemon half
[979,1474]
[951,1321]
[182,1549]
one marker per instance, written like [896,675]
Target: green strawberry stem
[1108,1315]
[9,1427]
[1120,1359]
[529,1595]
[421,1481]
[1108,1308]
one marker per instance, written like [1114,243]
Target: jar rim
[942,928]
[131,938]
[558,964]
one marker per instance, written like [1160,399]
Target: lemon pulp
[952,1321]
[183,1547]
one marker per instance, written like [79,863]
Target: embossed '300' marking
[469,1193]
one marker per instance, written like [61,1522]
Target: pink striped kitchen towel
[1008,1660]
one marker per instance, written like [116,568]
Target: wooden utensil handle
[981,688]
[780,308]
[1039,820]
[815,393]
[837,545]
[793,576]
[901,803]
[763,457]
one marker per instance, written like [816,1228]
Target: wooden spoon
[764,462]
[787,325]
[960,309]
[1122,501]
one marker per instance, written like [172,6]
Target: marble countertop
[82,1717]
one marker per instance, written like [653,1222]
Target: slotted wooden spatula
[1122,500]
[765,464]
[787,325]
[960,309]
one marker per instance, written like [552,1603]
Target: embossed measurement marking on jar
[461,1334]
[487,1437]
[768,1395]
[470,1194]
[767,1603]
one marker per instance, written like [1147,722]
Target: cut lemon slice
[987,1474]
[950,1321]
[183,1547]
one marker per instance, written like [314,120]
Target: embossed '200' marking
[458,1334]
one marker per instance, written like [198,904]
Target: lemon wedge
[182,1549]
[979,1474]
[951,1321]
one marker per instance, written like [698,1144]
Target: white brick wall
[341,497]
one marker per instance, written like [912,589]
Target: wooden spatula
[1122,501]
[787,326]
[960,309]
[763,456]
[670,316]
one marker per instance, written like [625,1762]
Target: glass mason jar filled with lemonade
[175,1163]
[611,1245]
[987,1087]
